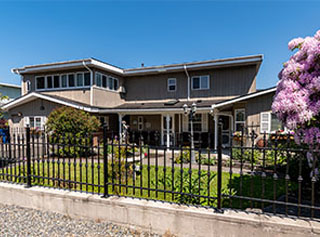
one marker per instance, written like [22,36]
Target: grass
[90,178]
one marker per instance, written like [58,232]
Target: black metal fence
[269,173]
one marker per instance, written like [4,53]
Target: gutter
[185,69]
[91,82]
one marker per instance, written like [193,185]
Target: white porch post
[168,130]
[215,131]
[120,127]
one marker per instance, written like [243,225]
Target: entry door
[171,129]
[226,129]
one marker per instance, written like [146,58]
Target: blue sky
[127,33]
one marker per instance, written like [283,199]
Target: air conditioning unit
[122,89]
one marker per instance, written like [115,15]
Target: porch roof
[174,105]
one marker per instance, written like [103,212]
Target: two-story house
[149,99]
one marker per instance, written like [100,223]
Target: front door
[226,129]
[165,129]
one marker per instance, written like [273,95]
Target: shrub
[72,129]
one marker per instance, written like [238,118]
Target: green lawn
[72,176]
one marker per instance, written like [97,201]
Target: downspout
[91,82]
[185,69]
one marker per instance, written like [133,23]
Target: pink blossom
[297,99]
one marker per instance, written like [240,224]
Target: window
[49,82]
[56,81]
[87,77]
[98,79]
[140,123]
[104,120]
[40,83]
[197,123]
[110,83]
[240,119]
[104,81]
[172,84]
[79,79]
[35,122]
[71,80]
[200,83]
[28,86]
[269,123]
[107,82]
[64,81]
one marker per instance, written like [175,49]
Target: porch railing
[269,174]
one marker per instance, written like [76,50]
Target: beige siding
[80,95]
[105,98]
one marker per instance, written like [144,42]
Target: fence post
[28,157]
[219,151]
[105,161]
[9,143]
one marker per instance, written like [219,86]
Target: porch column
[215,131]
[168,130]
[120,127]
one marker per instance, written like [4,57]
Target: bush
[72,129]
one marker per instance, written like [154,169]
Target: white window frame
[269,123]
[28,83]
[235,118]
[200,86]
[268,114]
[108,84]
[60,81]
[175,84]
[28,123]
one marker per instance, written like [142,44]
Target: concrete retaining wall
[156,216]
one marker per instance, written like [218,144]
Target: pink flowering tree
[297,100]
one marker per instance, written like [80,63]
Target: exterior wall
[154,120]
[103,97]
[224,83]
[11,92]
[255,106]
[106,98]
[78,95]
[29,109]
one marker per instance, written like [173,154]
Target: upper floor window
[40,83]
[239,118]
[172,84]
[200,82]
[107,82]
[77,80]
[28,86]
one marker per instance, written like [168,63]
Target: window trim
[60,81]
[175,84]
[200,87]
[107,84]
[235,118]
[269,131]
[42,121]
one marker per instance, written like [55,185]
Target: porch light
[185,109]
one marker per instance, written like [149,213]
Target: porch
[171,129]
